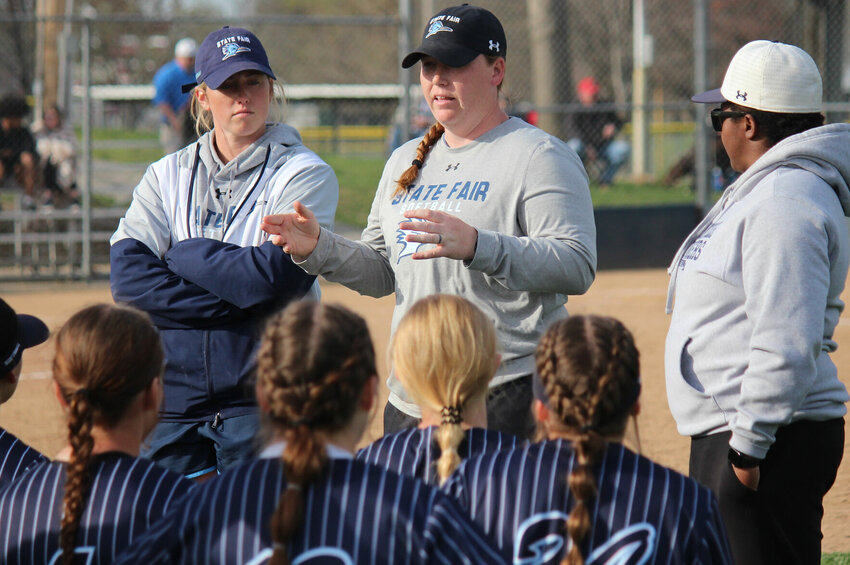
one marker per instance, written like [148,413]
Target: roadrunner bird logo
[436,27]
[407,247]
[231,49]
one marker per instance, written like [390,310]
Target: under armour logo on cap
[741,96]
[494,46]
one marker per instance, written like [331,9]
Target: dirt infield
[635,297]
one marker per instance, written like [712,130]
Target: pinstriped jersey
[643,512]
[355,513]
[414,452]
[126,496]
[15,457]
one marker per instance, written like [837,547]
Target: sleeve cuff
[485,250]
[314,261]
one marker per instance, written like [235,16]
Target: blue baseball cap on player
[457,35]
[17,332]
[225,52]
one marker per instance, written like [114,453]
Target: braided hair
[105,356]
[409,175]
[313,363]
[445,352]
[590,372]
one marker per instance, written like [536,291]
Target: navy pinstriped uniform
[356,513]
[644,513]
[15,457]
[414,452]
[126,496]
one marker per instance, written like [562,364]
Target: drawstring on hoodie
[245,198]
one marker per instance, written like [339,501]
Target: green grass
[127,154]
[630,194]
[835,559]
[359,176]
[358,179]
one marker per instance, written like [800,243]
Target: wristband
[742,460]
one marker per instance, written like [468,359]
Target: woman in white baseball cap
[757,290]
[484,206]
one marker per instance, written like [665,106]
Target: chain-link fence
[339,62]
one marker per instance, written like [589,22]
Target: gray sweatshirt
[757,290]
[527,194]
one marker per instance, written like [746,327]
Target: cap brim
[31,331]
[709,97]
[451,55]
[214,79]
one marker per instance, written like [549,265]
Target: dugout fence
[340,62]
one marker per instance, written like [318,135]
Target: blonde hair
[590,370]
[445,353]
[314,361]
[204,119]
[428,140]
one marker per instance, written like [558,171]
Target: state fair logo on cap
[231,49]
[457,35]
[225,52]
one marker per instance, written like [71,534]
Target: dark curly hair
[775,126]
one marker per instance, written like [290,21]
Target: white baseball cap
[770,76]
[186,47]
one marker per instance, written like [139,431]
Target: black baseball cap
[457,35]
[17,332]
[225,52]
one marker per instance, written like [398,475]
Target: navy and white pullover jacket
[190,253]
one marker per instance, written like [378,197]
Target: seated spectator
[98,495]
[592,133]
[17,332]
[580,495]
[18,158]
[444,352]
[305,500]
[56,145]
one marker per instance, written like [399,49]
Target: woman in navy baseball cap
[484,206]
[191,253]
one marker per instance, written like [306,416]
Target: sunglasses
[718,115]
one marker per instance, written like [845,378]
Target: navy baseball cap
[17,332]
[457,35]
[225,52]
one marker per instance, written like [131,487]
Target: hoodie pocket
[686,369]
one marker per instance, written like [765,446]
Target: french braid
[590,370]
[313,363]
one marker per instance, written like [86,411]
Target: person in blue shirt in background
[170,99]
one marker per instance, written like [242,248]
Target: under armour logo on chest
[741,96]
[452,167]
[494,45]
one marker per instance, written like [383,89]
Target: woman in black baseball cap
[484,206]
[17,332]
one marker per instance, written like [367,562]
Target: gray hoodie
[757,290]
[230,199]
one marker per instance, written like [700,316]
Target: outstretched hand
[297,233]
[451,236]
